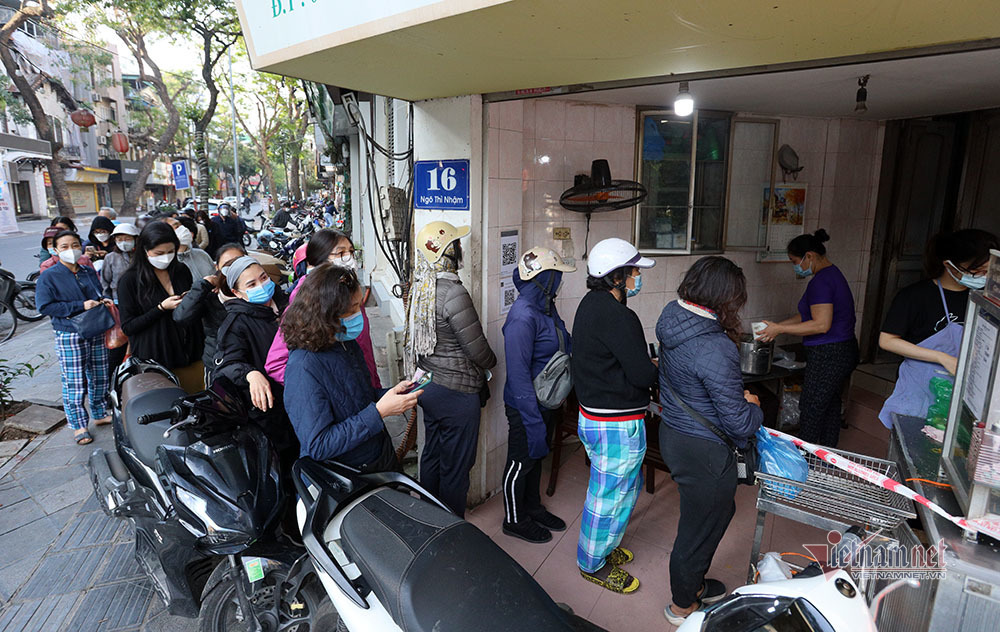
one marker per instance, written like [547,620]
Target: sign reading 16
[447,177]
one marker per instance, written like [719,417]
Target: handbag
[746,457]
[115,337]
[92,322]
[555,381]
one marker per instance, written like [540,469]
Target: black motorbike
[202,489]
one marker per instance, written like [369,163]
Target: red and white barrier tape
[989,527]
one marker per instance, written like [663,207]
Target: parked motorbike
[201,488]
[392,557]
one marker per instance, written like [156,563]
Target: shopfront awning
[88,175]
[419,49]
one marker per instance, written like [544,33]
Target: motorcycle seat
[434,571]
[145,394]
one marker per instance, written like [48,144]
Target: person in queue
[206,229]
[700,366]
[228,226]
[118,260]
[826,322]
[148,292]
[110,213]
[956,263]
[336,247]
[335,411]
[204,303]
[444,336]
[196,259]
[99,241]
[532,333]
[51,256]
[613,375]
[62,292]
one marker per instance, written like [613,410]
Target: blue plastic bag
[778,457]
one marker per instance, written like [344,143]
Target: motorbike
[20,295]
[201,489]
[392,557]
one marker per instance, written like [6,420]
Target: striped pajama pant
[84,365]
[616,450]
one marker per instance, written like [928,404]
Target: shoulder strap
[699,417]
[944,303]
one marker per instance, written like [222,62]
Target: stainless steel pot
[755,356]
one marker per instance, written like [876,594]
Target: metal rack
[831,499]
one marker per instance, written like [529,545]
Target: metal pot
[755,355]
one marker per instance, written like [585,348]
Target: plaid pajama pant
[84,364]
[616,450]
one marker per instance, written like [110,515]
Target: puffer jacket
[115,265]
[703,366]
[245,337]
[330,401]
[530,341]
[462,353]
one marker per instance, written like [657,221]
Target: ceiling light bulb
[684,102]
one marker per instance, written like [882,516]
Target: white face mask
[160,262]
[102,237]
[348,263]
[70,256]
[126,246]
[184,236]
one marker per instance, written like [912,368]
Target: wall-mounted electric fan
[597,193]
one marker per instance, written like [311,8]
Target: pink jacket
[277,356]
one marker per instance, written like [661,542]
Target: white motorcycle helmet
[608,255]
[535,261]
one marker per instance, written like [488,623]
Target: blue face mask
[261,294]
[800,271]
[636,289]
[352,327]
[53,252]
[970,281]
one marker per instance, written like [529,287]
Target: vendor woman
[826,323]
[956,263]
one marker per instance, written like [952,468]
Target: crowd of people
[305,363]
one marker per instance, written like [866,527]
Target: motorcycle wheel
[220,610]
[246,239]
[24,304]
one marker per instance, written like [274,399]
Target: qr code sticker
[508,254]
[509,296]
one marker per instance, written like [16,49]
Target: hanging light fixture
[861,99]
[683,102]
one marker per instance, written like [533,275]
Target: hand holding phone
[419,380]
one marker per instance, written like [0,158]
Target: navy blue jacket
[330,401]
[703,366]
[60,294]
[529,339]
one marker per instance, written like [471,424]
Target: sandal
[619,556]
[613,578]
[83,438]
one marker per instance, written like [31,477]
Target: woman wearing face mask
[613,375]
[99,241]
[118,260]
[51,256]
[826,323]
[326,246]
[196,259]
[64,291]
[205,304]
[206,226]
[148,292]
[956,263]
[532,334]
[330,401]
[444,336]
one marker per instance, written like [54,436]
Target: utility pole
[232,109]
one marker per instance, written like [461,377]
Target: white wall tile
[608,124]
[493,153]
[550,119]
[550,159]
[528,118]
[510,202]
[510,154]
[580,121]
[511,113]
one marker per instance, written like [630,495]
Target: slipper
[613,578]
[619,556]
[103,421]
[83,438]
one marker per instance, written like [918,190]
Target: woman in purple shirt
[826,323]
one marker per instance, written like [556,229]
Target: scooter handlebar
[160,416]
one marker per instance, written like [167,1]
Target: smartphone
[420,380]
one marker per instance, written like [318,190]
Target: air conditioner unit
[102,153]
[95,97]
[102,140]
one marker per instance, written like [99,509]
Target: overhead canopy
[420,49]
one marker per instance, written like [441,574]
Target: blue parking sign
[180,171]
[441,185]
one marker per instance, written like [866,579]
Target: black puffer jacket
[462,353]
[202,303]
[703,366]
[245,337]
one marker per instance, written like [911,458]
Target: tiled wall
[535,148]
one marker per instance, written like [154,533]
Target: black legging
[828,367]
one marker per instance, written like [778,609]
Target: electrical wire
[929,482]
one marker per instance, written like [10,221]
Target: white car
[231,199]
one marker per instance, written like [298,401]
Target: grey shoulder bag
[554,383]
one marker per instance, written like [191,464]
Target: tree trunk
[268,173]
[38,116]
[293,184]
[204,176]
